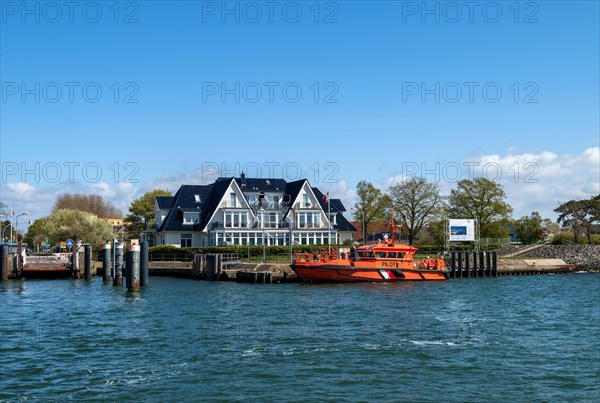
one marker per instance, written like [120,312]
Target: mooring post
[4,262]
[459,268]
[118,281]
[494,264]
[133,272]
[87,262]
[475,271]
[488,261]
[467,264]
[452,264]
[127,266]
[481,264]
[75,259]
[107,262]
[144,269]
[19,268]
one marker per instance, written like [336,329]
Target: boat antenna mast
[393,228]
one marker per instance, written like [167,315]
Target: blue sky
[353,90]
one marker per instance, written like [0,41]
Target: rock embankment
[586,255]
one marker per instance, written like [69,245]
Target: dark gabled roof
[185,200]
[211,195]
[213,199]
[261,185]
[293,189]
[343,224]
[338,207]
[336,204]
[164,202]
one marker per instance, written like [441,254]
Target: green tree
[35,234]
[529,228]
[90,203]
[579,215]
[416,201]
[67,223]
[141,212]
[372,205]
[483,199]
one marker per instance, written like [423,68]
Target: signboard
[69,243]
[462,230]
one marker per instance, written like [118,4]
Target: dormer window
[232,200]
[191,218]
[197,199]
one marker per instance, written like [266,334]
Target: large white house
[248,211]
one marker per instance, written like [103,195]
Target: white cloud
[532,182]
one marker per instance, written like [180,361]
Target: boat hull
[331,273]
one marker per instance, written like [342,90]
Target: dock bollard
[488,261]
[87,261]
[494,264]
[467,264]
[75,260]
[475,271]
[452,264]
[481,264]
[144,270]
[118,280]
[133,269]
[107,262]
[4,262]
[459,267]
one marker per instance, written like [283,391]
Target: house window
[251,200]
[235,219]
[232,200]
[186,240]
[197,198]
[305,200]
[191,218]
[275,202]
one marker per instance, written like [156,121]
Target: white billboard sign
[462,230]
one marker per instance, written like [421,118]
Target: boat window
[400,255]
[380,254]
[391,255]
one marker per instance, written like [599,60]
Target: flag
[325,197]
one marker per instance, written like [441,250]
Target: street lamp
[17,224]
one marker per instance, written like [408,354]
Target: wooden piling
[118,265]
[494,264]
[467,264]
[144,271]
[481,264]
[107,262]
[133,270]
[488,261]
[459,266]
[4,262]
[87,262]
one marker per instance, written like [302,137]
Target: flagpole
[329,217]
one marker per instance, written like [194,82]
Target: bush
[244,250]
[567,238]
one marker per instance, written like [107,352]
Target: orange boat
[382,262]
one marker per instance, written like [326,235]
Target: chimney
[243,178]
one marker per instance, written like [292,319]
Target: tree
[141,212]
[483,199]
[68,223]
[579,215]
[529,228]
[35,233]
[416,202]
[90,203]
[371,205]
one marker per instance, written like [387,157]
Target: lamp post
[17,224]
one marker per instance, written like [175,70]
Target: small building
[248,211]
[117,224]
